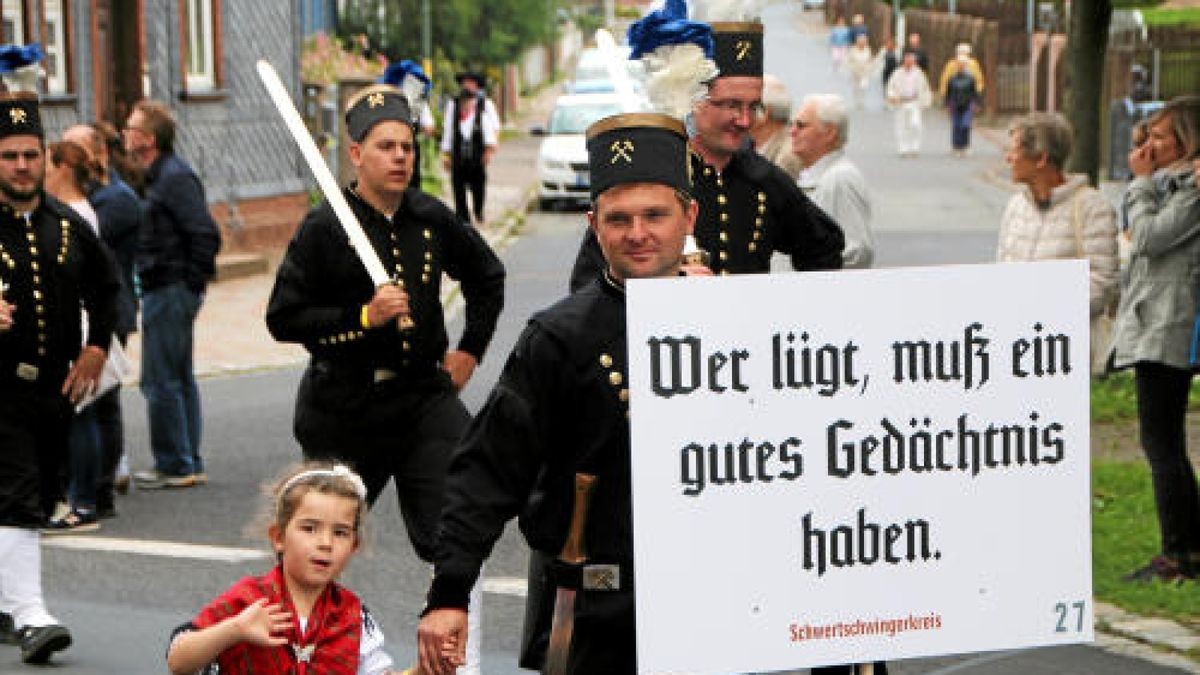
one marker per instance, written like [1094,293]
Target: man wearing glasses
[749,208]
[175,260]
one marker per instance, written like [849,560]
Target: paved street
[122,589]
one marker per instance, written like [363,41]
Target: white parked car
[562,161]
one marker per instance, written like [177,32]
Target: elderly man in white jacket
[829,178]
[1055,215]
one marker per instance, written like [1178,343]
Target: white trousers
[21,577]
[908,127]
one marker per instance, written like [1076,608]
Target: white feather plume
[24,78]
[675,77]
[728,10]
[413,89]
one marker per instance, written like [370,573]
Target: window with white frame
[57,58]
[12,22]
[199,62]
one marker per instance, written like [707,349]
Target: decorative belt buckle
[27,372]
[601,578]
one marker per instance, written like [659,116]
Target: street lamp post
[426,37]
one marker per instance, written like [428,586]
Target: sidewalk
[231,333]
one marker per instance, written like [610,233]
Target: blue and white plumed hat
[410,78]
[677,55]
[19,67]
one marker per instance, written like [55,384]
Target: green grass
[1184,16]
[1114,399]
[1124,537]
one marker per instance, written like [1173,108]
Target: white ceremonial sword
[333,193]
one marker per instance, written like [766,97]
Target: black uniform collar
[611,286]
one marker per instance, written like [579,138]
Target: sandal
[76,520]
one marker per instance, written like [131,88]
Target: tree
[1087,43]
[467,32]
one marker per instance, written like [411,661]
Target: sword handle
[573,550]
[404,322]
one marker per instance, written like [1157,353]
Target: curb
[1171,643]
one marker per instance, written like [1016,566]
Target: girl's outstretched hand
[264,625]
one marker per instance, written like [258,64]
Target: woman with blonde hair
[1154,328]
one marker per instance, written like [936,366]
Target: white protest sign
[843,467]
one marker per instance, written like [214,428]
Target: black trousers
[34,428]
[604,638]
[397,430]
[107,409]
[466,176]
[1162,397]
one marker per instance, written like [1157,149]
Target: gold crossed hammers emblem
[17,115]
[622,150]
[743,49]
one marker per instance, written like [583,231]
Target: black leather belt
[375,375]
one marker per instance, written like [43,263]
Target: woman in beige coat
[1055,215]
[1154,325]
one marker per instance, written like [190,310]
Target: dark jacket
[961,92]
[180,240]
[560,407]
[121,219]
[321,285]
[69,272]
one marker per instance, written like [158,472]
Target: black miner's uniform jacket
[70,271]
[321,286]
[560,407]
[747,212]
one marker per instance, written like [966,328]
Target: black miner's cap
[739,48]
[19,114]
[638,148]
[375,104]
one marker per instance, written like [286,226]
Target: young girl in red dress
[296,619]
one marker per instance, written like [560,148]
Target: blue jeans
[168,383]
[960,120]
[83,470]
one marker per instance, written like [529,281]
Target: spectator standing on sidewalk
[961,98]
[1154,327]
[121,220]
[470,134]
[770,130]
[829,178]
[176,258]
[1055,215]
[839,42]
[908,94]
[858,28]
[380,393]
[962,53]
[51,264]
[913,46]
[68,171]
[890,61]
[861,64]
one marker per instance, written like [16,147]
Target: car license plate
[582,179]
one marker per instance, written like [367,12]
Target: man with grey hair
[831,180]
[770,133]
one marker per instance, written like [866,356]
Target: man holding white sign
[559,417]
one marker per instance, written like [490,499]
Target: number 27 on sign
[1064,612]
